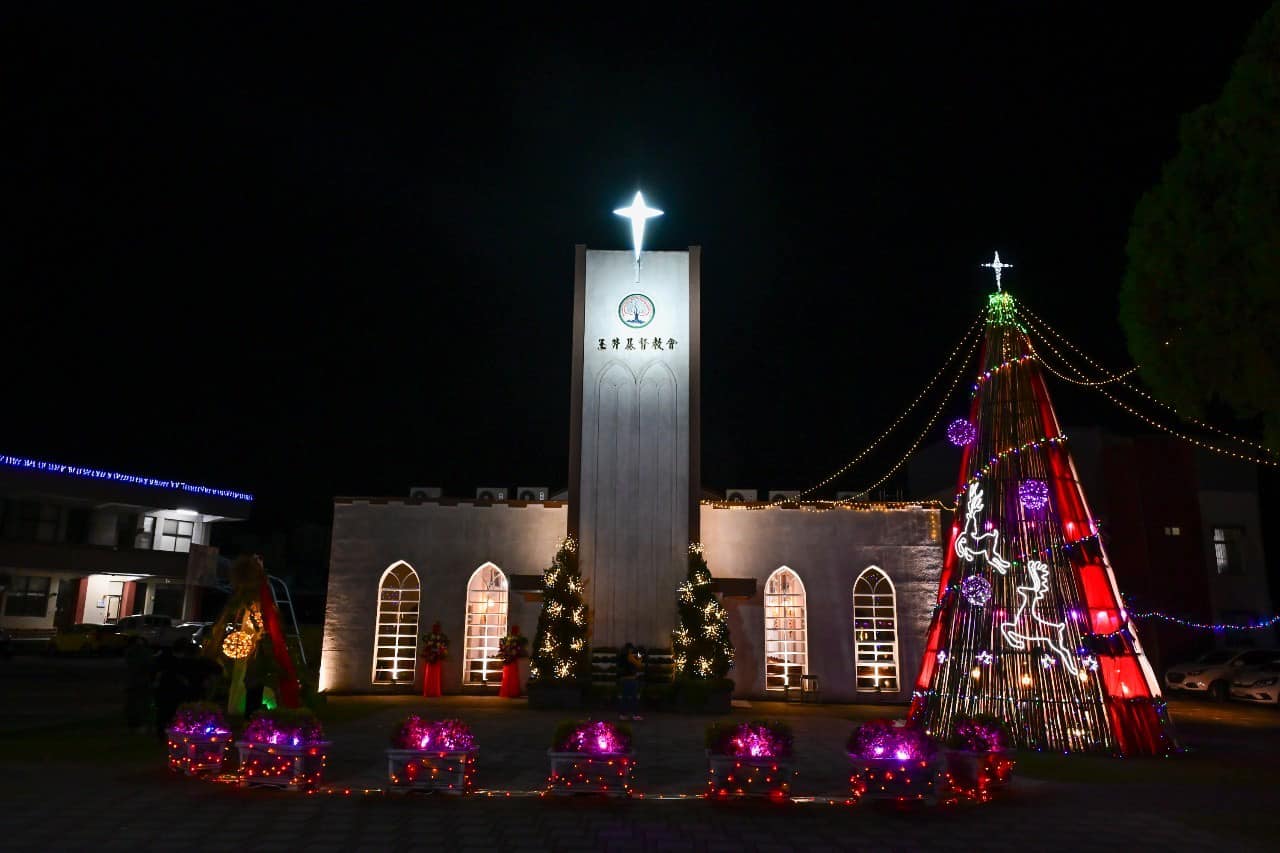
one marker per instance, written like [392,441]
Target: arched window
[786,635]
[395,641]
[486,625]
[875,632]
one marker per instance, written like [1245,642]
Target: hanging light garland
[1040,327]
[1260,625]
[897,421]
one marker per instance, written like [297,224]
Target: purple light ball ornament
[976,590]
[1034,494]
[961,433]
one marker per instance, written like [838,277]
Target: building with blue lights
[82,545]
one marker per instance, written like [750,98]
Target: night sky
[305,257]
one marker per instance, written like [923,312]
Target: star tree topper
[638,212]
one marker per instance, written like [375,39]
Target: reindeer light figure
[1028,626]
[971,542]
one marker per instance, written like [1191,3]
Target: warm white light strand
[897,421]
[1034,321]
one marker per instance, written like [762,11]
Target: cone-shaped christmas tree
[701,640]
[1029,625]
[560,648]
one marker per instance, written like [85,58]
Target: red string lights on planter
[749,760]
[438,756]
[198,739]
[283,750]
[591,758]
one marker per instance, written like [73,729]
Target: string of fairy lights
[965,339]
[1217,627]
[1040,327]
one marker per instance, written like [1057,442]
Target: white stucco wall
[444,545]
[828,550]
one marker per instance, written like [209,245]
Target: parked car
[196,632]
[81,639]
[155,630]
[110,641]
[1258,684]
[1211,674]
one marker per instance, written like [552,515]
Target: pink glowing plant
[883,740]
[756,739]
[595,738]
[434,735]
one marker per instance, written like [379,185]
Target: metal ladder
[283,600]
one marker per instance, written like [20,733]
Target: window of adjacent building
[786,636]
[395,642]
[32,521]
[1173,531]
[176,535]
[1227,552]
[875,632]
[486,624]
[144,536]
[27,596]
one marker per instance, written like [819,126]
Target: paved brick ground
[93,804]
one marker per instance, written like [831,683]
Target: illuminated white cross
[638,212]
[998,266]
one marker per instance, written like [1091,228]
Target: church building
[841,592]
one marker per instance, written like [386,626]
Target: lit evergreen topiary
[701,647]
[560,652]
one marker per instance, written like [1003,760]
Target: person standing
[629,666]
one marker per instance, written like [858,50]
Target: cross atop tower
[998,266]
[638,212]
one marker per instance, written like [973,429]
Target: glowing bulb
[975,673]
[1026,680]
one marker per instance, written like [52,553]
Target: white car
[1211,674]
[1258,684]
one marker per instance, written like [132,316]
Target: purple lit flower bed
[282,749]
[749,759]
[591,757]
[198,739]
[432,755]
[892,761]
[979,756]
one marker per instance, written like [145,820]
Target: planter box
[976,774]
[432,770]
[731,776]
[297,768]
[196,755]
[894,779]
[555,695]
[588,773]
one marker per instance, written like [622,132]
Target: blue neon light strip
[95,474]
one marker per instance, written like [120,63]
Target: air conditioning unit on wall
[738,496]
[777,495]
[532,493]
[425,493]
[491,493]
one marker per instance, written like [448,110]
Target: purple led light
[961,433]
[881,739]
[978,735]
[300,732]
[198,721]
[598,738]
[1034,494]
[756,741]
[442,735]
[976,590]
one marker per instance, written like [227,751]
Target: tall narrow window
[486,625]
[395,643]
[1227,553]
[786,635]
[875,632]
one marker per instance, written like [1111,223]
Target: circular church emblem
[635,311]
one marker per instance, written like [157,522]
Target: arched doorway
[786,633]
[395,641]
[875,632]
[486,624]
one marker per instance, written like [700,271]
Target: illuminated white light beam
[998,266]
[638,212]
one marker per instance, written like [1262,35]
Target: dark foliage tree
[1200,303]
